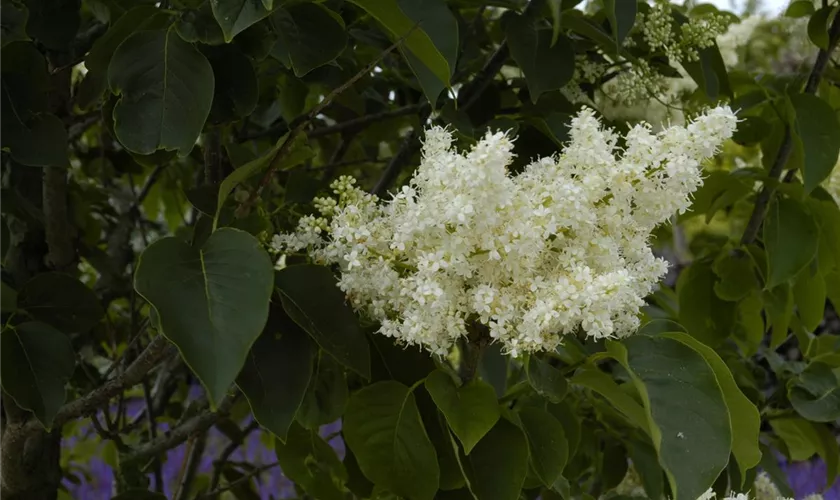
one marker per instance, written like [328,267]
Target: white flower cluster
[560,247]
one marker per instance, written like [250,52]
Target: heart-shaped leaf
[470,410]
[212,302]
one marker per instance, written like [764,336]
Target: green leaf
[818,26]
[236,90]
[309,290]
[809,295]
[709,72]
[799,436]
[470,410]
[736,276]
[61,301]
[430,31]
[622,16]
[276,373]
[327,394]
[166,88]
[234,16]
[312,464]
[13,24]
[547,380]
[815,393]
[298,152]
[546,67]
[309,35]
[744,419]
[603,384]
[406,366]
[566,415]
[212,301]
[686,411]
[818,128]
[547,445]
[791,238]
[778,304]
[497,467]
[383,428]
[800,8]
[37,362]
[32,135]
[706,317]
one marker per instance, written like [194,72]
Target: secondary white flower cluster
[560,247]
[698,33]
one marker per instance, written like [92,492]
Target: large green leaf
[309,35]
[37,362]
[547,380]
[818,26]
[547,445]
[166,88]
[383,428]
[744,419]
[327,394]
[13,24]
[430,31]
[791,238]
[276,373]
[61,301]
[32,135]
[706,316]
[686,410]
[818,128]
[470,410]
[234,16]
[212,302]
[312,464]
[309,290]
[497,466]
[546,66]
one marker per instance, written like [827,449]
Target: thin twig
[191,466]
[786,147]
[241,480]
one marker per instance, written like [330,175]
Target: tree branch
[219,464]
[181,433]
[786,147]
[157,349]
